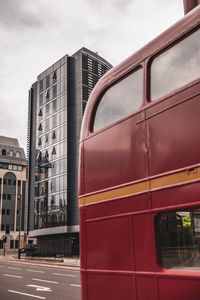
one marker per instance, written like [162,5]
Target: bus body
[139,174]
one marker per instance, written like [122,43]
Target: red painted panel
[81,170]
[111,287]
[179,289]
[176,196]
[146,288]
[109,244]
[84,285]
[144,243]
[83,252]
[117,206]
[173,137]
[116,155]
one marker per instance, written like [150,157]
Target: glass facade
[50,205]
[92,70]
[56,106]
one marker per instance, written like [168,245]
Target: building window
[85,61]
[178,236]
[40,113]
[54,91]
[7,229]
[11,153]
[5,181]
[41,86]
[14,182]
[175,67]
[9,182]
[3,211]
[53,135]
[46,138]
[17,154]
[54,77]
[120,100]
[52,200]
[16,244]
[8,196]
[3,152]
[11,244]
[4,196]
[47,81]
[39,142]
[47,94]
[8,212]
[40,127]
[46,155]
[2,227]
[54,151]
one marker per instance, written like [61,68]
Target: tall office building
[13,200]
[56,105]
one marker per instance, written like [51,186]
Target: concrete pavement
[70,262]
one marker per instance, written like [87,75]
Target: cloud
[35,34]
[113,5]
[17,14]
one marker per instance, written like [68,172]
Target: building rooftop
[7,141]
[10,151]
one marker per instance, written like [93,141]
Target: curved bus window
[176,67]
[120,100]
[178,235]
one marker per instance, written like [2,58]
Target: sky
[34,34]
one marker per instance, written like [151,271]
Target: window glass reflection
[178,234]
[176,67]
[120,100]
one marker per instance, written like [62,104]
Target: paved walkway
[71,262]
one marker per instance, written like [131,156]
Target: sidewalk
[65,261]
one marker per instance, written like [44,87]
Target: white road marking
[40,288]
[35,271]
[11,275]
[48,281]
[14,268]
[25,294]
[77,285]
[61,274]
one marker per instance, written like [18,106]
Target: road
[24,281]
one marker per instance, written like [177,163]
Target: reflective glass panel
[120,100]
[176,67]
[178,234]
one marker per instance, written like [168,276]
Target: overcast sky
[36,33]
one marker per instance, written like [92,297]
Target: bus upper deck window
[176,67]
[120,100]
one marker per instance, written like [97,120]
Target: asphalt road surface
[21,281]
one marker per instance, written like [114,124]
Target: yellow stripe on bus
[144,186]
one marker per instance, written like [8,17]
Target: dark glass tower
[56,105]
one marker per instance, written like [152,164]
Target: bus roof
[187,23]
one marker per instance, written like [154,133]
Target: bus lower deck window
[178,236]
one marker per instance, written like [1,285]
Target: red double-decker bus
[139,187]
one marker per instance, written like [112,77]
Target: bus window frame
[157,241]
[159,52]
[140,65]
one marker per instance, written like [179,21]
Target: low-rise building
[13,200]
